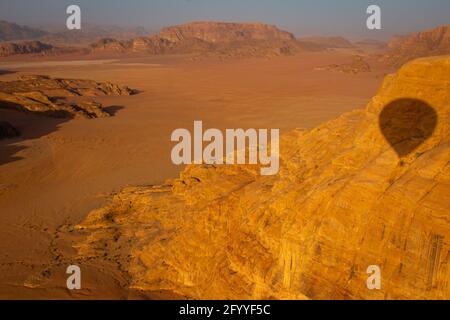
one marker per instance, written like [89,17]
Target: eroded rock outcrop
[420,44]
[342,201]
[357,65]
[213,39]
[25,47]
[49,96]
[11,31]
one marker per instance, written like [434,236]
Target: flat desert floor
[59,170]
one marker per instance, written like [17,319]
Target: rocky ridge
[218,39]
[7,130]
[49,96]
[420,44]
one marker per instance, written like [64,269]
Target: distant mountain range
[90,33]
[219,39]
[11,31]
[209,38]
[203,38]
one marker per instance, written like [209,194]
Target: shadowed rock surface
[48,96]
[25,47]
[7,130]
[341,202]
[407,123]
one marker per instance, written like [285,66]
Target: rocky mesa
[345,199]
[225,32]
[25,47]
[217,39]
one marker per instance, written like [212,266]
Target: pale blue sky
[302,17]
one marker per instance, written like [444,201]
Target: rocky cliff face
[344,200]
[225,32]
[420,44]
[201,39]
[47,96]
[151,45]
[217,39]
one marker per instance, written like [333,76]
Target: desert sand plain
[60,169]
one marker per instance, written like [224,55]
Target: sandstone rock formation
[11,31]
[357,65]
[202,39]
[342,201]
[25,47]
[225,32]
[109,44]
[150,45]
[217,39]
[48,96]
[421,44]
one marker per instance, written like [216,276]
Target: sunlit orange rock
[343,200]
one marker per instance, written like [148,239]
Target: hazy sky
[302,17]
